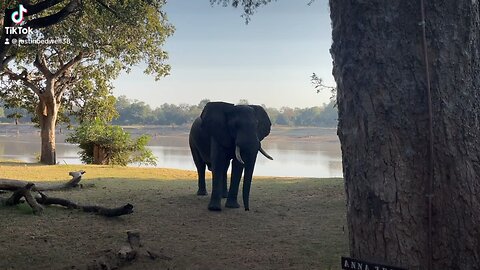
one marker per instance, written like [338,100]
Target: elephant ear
[214,120]
[264,123]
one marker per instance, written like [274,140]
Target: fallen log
[36,198]
[13,185]
[100,210]
[25,192]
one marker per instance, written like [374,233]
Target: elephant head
[238,129]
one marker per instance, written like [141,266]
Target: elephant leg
[202,189]
[219,164]
[225,187]
[200,164]
[237,170]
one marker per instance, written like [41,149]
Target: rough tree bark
[383,129]
[47,111]
[50,96]
[100,156]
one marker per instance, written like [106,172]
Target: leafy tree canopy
[117,147]
[137,112]
[105,37]
[249,6]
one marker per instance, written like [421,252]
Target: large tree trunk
[47,112]
[384,130]
[100,156]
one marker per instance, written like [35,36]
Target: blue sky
[215,55]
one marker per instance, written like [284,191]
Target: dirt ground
[294,223]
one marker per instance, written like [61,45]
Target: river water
[302,152]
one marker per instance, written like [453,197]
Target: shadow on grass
[19,163]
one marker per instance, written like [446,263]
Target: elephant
[225,132]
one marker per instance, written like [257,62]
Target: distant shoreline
[297,152]
[183,130]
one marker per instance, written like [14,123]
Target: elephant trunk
[246,153]
[247,182]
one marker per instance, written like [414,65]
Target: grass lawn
[294,223]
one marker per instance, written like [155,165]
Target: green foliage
[249,6]
[320,86]
[7,113]
[120,148]
[243,102]
[137,112]
[110,36]
[202,103]
[100,106]
[15,115]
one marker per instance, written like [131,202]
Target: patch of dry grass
[294,223]
[38,172]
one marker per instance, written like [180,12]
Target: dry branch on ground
[35,198]
[13,185]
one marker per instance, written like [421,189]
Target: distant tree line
[11,115]
[318,116]
[134,112]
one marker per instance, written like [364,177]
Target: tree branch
[103,4]
[68,65]
[62,85]
[41,64]
[26,192]
[39,7]
[7,60]
[3,50]
[46,21]
[72,7]
[59,55]
[23,78]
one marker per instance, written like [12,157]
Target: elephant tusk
[238,156]
[265,153]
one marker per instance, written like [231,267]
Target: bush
[102,143]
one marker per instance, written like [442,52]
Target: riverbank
[294,223]
[297,152]
[277,132]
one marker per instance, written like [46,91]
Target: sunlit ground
[294,223]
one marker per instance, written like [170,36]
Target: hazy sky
[214,55]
